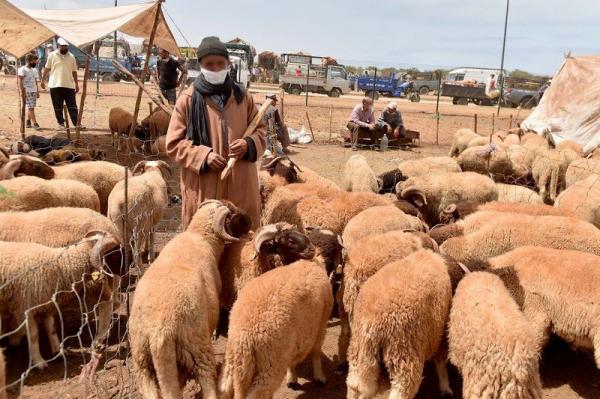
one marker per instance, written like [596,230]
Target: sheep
[561,290]
[71,154]
[29,193]
[477,215]
[278,320]
[594,154]
[515,230]
[358,175]
[363,260]
[583,199]
[159,146]
[3,393]
[276,172]
[570,145]
[156,124]
[101,175]
[515,194]
[549,169]
[272,246]
[511,139]
[533,140]
[119,123]
[379,219]
[171,325]
[24,165]
[485,140]
[389,180]
[147,199]
[31,274]
[433,194]
[309,176]
[581,169]
[489,159]
[428,165]
[491,342]
[399,323]
[461,140]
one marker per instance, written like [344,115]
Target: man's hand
[238,148]
[43,85]
[38,94]
[216,162]
[76,87]
[371,126]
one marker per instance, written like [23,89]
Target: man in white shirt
[28,78]
[490,88]
[62,68]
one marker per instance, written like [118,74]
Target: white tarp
[570,107]
[80,27]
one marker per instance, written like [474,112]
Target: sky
[426,34]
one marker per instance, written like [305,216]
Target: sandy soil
[566,374]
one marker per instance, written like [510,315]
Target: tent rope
[177,27]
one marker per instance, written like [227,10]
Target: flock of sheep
[475,258]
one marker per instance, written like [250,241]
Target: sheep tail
[554,184]
[238,371]
[164,358]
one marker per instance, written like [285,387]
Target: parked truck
[467,85]
[301,72]
[392,86]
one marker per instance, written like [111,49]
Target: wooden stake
[150,106]
[86,73]
[475,123]
[66,116]
[282,96]
[510,122]
[493,123]
[166,107]
[310,127]
[22,112]
[330,121]
[138,99]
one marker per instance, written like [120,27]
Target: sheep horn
[163,166]
[272,162]
[8,171]
[450,208]
[210,201]
[138,167]
[220,217]
[4,152]
[407,192]
[294,164]
[264,234]
[104,244]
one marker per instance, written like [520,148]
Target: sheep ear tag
[95,276]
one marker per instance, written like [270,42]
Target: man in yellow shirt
[62,68]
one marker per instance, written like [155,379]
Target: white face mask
[215,78]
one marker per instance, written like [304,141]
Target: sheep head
[413,195]
[329,246]
[228,221]
[152,166]
[25,165]
[389,181]
[285,240]
[106,247]
[282,166]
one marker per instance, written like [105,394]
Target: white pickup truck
[299,72]
[238,66]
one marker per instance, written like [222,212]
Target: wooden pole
[307,81]
[182,85]
[437,112]
[475,122]
[66,116]
[282,95]
[330,121]
[86,72]
[150,106]
[493,123]
[138,99]
[22,112]
[310,127]
[510,122]
[166,107]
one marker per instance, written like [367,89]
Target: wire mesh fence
[80,319]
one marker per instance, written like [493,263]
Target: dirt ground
[566,374]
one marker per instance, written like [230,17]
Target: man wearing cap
[206,128]
[168,75]
[362,123]
[62,68]
[390,121]
[280,127]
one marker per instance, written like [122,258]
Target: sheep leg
[202,361]
[596,342]
[363,373]
[405,375]
[318,374]
[105,309]
[441,370]
[147,385]
[50,327]
[533,309]
[344,339]
[164,358]
[291,377]
[34,343]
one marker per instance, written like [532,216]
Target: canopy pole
[21,111]
[138,100]
[502,59]
[86,73]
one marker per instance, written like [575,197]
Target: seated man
[362,123]
[278,124]
[390,122]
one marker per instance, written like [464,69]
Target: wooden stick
[138,99]
[475,123]
[150,106]
[66,116]
[249,130]
[282,96]
[22,112]
[182,85]
[166,107]
[493,122]
[330,121]
[310,126]
[86,73]
[510,122]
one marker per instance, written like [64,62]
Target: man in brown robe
[206,128]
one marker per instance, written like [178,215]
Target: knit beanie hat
[211,45]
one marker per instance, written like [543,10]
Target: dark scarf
[197,129]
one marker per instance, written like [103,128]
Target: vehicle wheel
[108,77]
[486,101]
[424,90]
[415,97]
[373,94]
[454,100]
[295,90]
[335,92]
[10,70]
[462,101]
[526,103]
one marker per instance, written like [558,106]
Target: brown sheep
[119,123]
[154,126]
[24,165]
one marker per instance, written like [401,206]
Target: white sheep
[31,275]
[176,305]
[279,319]
[399,323]
[147,199]
[358,175]
[583,199]
[580,169]
[461,140]
[29,193]
[428,165]
[512,193]
[491,341]
[561,293]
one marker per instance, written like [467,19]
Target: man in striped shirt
[362,122]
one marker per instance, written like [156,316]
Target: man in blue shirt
[390,122]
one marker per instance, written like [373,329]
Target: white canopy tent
[24,29]
[570,107]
